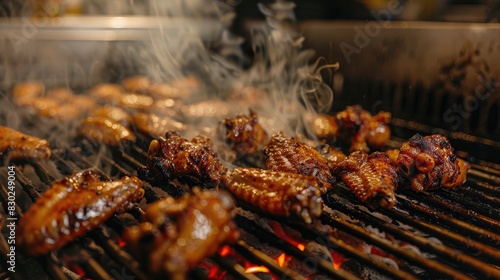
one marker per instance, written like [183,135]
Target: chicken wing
[290,155]
[361,129]
[179,233]
[19,146]
[174,157]
[244,134]
[105,131]
[372,178]
[278,193]
[156,126]
[72,207]
[430,162]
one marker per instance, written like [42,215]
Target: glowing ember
[225,251]
[337,260]
[278,229]
[257,269]
[281,259]
[120,242]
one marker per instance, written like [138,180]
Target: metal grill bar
[450,254]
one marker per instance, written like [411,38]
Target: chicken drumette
[178,233]
[173,157]
[244,134]
[429,162]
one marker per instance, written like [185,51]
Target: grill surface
[452,234]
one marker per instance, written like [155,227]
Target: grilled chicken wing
[19,146]
[278,193]
[135,101]
[72,207]
[156,126]
[290,155]
[24,93]
[362,129]
[372,178]
[325,126]
[175,157]
[105,131]
[429,162]
[332,155]
[107,92]
[113,113]
[244,134]
[178,233]
[206,109]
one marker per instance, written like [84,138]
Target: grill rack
[478,259]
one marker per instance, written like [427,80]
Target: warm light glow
[256,269]
[281,259]
[120,242]
[225,250]
[278,229]
[337,259]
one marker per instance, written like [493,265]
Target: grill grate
[465,221]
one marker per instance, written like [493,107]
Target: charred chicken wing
[244,134]
[372,178]
[105,131]
[174,157]
[19,146]
[361,129]
[290,155]
[278,193]
[178,233]
[72,207]
[429,162]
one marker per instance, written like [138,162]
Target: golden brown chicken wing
[105,131]
[24,93]
[290,155]
[72,207]
[179,233]
[277,193]
[244,134]
[113,113]
[372,178]
[156,126]
[173,157]
[325,127]
[136,84]
[19,146]
[108,92]
[430,162]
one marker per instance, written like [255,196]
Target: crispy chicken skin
[244,134]
[156,126]
[277,193]
[178,233]
[290,155]
[372,178]
[19,146]
[173,157]
[332,155]
[361,129]
[105,131]
[72,207]
[429,162]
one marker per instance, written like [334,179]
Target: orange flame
[337,260]
[225,251]
[278,229]
[281,259]
[256,269]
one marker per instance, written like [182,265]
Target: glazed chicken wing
[105,131]
[429,162]
[72,207]
[178,233]
[244,134]
[290,155]
[372,178]
[156,126]
[19,146]
[363,130]
[278,193]
[174,157]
